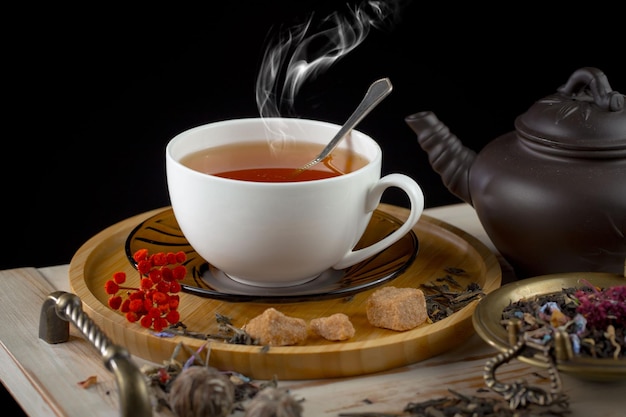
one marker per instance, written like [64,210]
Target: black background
[93,95]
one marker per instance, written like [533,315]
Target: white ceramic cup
[280,234]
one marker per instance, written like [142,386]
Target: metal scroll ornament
[519,393]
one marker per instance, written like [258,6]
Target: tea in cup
[243,206]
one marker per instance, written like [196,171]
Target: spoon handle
[374,95]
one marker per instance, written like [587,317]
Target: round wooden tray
[372,349]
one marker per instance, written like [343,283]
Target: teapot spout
[448,157]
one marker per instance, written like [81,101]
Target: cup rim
[372,162]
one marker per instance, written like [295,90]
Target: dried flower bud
[202,391]
[273,402]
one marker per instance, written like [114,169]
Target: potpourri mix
[594,318]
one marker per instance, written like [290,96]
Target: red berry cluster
[155,303]
[603,307]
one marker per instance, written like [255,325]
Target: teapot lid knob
[584,114]
[598,84]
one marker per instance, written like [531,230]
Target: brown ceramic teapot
[551,195]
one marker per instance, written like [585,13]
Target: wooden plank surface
[49,389]
[31,364]
[43,377]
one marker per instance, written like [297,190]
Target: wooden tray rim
[492,281]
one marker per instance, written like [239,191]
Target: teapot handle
[603,95]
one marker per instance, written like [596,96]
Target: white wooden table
[43,377]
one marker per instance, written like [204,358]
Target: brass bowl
[487,322]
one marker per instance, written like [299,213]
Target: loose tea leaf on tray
[445,295]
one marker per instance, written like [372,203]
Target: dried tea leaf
[446,295]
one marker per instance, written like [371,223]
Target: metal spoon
[375,94]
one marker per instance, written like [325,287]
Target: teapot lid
[583,115]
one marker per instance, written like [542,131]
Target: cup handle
[416,198]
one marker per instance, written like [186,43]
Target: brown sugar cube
[335,327]
[276,329]
[397,308]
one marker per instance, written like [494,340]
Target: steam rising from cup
[303,51]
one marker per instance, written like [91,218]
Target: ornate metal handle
[57,311]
